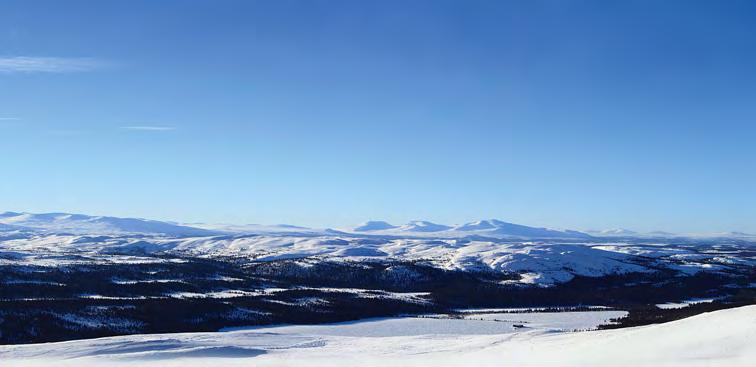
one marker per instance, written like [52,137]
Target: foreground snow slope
[722,338]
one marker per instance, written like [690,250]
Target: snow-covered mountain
[423,226]
[259,229]
[614,232]
[489,228]
[492,228]
[373,225]
[497,228]
[85,224]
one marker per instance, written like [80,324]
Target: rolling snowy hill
[535,263]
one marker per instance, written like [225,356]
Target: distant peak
[478,225]
[374,225]
[424,226]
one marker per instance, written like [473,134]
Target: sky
[566,114]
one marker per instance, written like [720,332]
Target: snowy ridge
[259,229]
[539,263]
[373,225]
[536,263]
[492,228]
[423,226]
[614,232]
[85,224]
[488,228]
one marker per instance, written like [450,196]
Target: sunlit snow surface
[539,263]
[722,338]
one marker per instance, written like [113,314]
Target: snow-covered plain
[721,338]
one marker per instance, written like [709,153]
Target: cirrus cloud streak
[30,64]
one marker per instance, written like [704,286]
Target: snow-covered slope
[539,263]
[8,227]
[85,224]
[721,338]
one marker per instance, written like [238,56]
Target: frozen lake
[470,323]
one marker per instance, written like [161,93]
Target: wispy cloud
[6,121]
[29,64]
[149,128]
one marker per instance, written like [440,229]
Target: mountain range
[488,228]
[85,224]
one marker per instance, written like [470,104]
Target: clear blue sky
[576,114]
